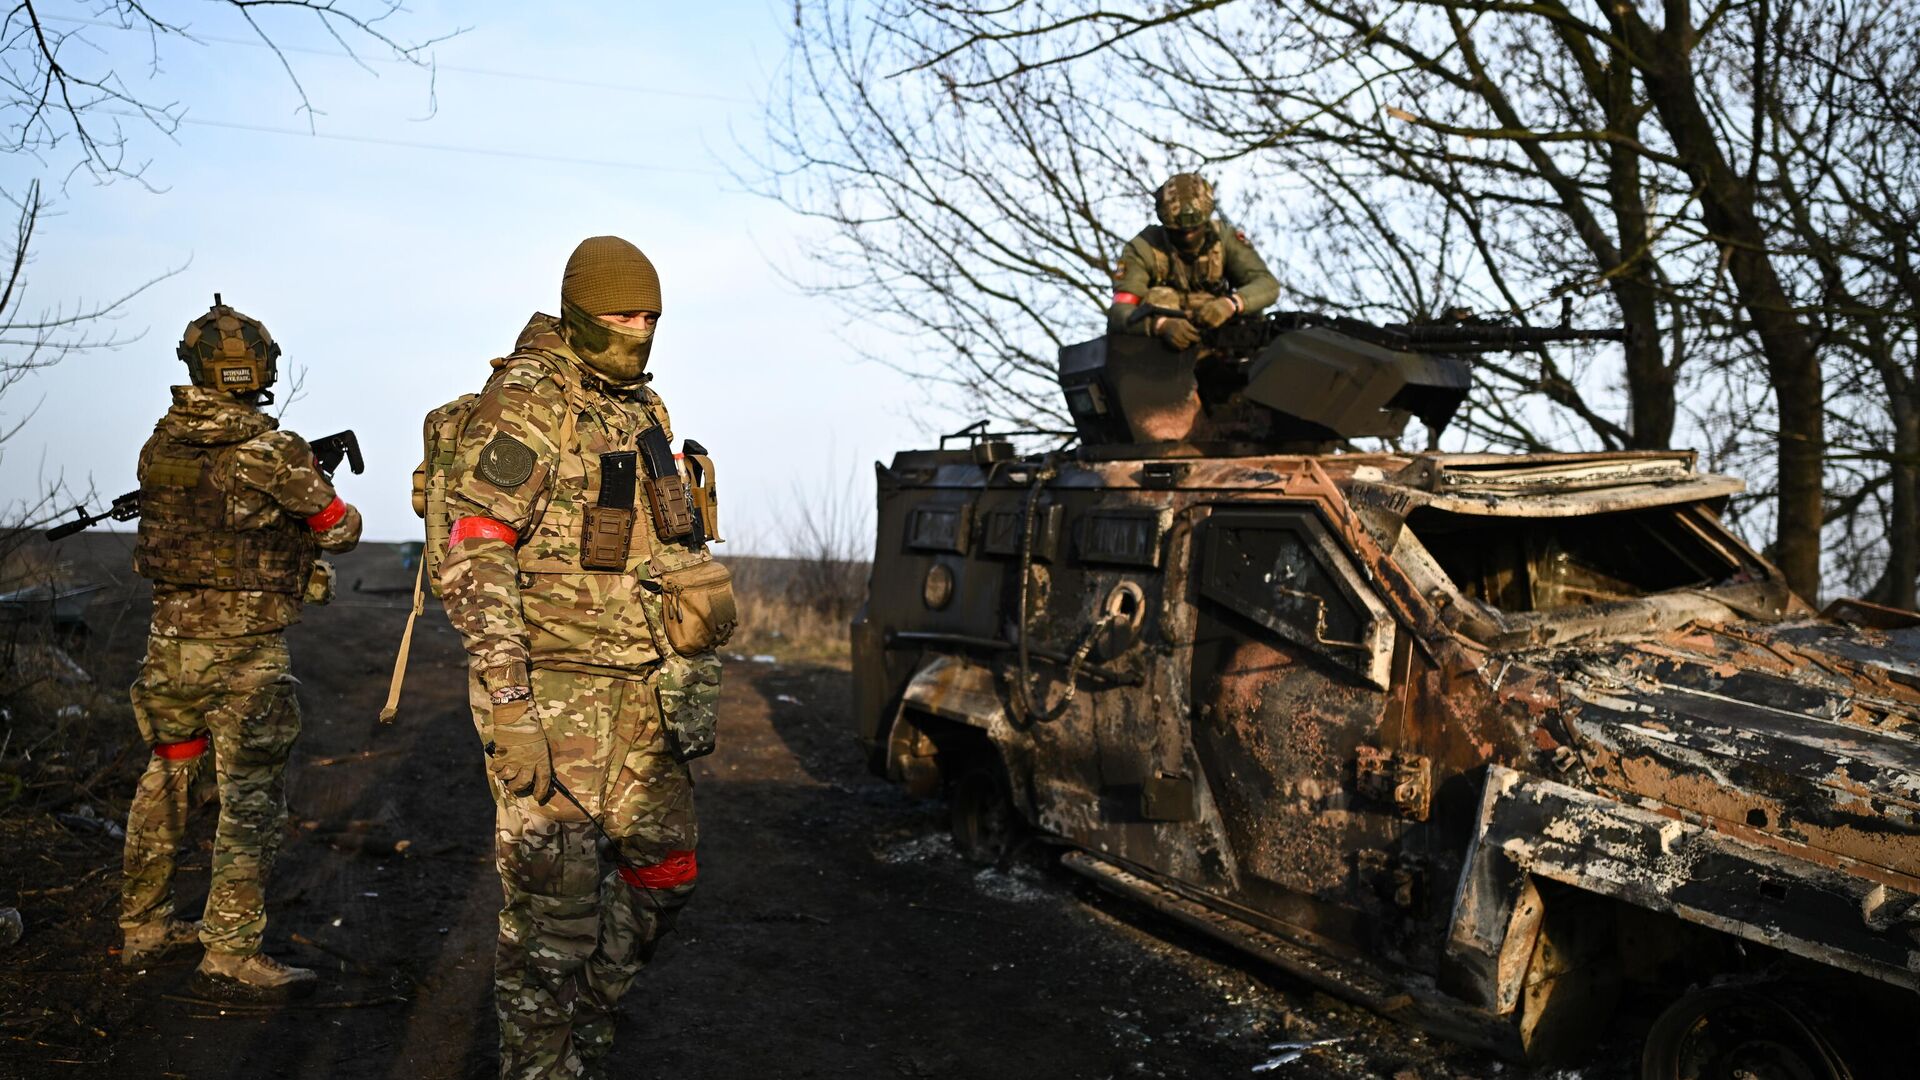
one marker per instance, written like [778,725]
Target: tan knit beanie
[608,276]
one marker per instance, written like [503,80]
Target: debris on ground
[1290,1052]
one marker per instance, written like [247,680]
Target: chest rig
[1197,279]
[604,483]
[187,534]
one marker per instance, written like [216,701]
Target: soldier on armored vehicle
[1192,262]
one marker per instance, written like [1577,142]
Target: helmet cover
[225,350]
[1185,201]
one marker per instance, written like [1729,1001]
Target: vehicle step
[1421,1006]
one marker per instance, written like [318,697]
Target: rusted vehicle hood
[1802,735]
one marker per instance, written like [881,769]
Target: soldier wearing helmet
[234,513]
[1192,262]
[577,573]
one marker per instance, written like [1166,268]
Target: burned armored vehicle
[1507,747]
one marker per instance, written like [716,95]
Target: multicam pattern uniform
[216,665]
[573,931]
[1151,263]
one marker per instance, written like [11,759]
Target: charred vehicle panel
[1485,742]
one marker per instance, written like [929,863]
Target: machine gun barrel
[1446,337]
[1467,337]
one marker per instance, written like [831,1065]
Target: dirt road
[836,931]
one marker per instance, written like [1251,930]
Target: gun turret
[1285,379]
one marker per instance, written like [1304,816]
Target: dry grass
[796,609]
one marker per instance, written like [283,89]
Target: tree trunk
[1649,378]
[1727,207]
[1897,586]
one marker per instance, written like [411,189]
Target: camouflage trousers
[578,920]
[235,694]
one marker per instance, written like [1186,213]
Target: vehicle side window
[1282,569]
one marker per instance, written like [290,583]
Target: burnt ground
[836,931]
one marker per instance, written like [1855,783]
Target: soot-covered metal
[1506,746]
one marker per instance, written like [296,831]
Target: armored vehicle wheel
[985,823]
[1736,1035]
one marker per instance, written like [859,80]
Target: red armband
[678,868]
[481,528]
[1125,298]
[328,518]
[181,751]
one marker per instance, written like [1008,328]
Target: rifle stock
[335,448]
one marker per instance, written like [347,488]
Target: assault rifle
[124,508]
[328,453]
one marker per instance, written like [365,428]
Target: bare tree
[1423,155]
[1835,146]
[65,106]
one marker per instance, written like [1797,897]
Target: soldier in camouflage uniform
[1192,262]
[553,577]
[233,514]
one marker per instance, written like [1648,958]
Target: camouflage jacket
[528,602]
[1226,264]
[273,478]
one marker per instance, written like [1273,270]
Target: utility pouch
[666,491]
[320,584]
[696,604]
[702,490]
[608,532]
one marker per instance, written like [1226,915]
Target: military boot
[152,942]
[252,976]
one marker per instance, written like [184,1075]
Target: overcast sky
[392,273]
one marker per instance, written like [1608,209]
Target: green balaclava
[607,276]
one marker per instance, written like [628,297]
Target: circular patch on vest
[506,462]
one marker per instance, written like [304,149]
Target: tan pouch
[320,583]
[607,536]
[697,607]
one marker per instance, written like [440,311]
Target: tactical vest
[601,522]
[1204,277]
[581,514]
[616,513]
[187,536]
[579,534]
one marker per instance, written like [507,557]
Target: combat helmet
[1185,201]
[225,350]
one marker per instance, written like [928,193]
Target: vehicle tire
[1737,1034]
[985,824]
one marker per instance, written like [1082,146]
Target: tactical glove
[518,754]
[1179,334]
[1216,311]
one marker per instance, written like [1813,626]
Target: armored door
[1292,658]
